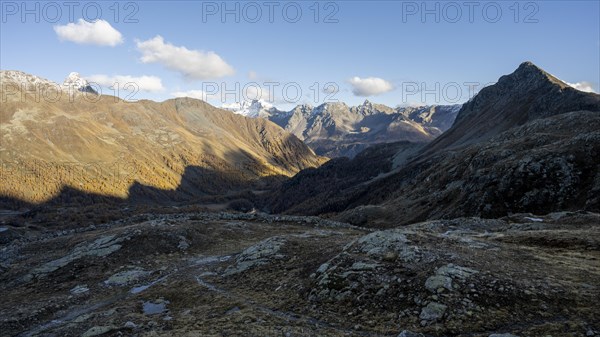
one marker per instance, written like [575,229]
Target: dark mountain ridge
[528,143]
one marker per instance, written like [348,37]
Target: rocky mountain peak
[252,108]
[526,94]
[528,80]
[303,108]
[532,76]
[23,78]
[75,81]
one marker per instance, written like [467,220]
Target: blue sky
[384,51]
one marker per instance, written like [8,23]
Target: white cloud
[129,83]
[99,32]
[582,86]
[198,94]
[192,64]
[369,86]
[252,75]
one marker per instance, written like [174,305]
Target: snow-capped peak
[75,81]
[251,108]
[24,78]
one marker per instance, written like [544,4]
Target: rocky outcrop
[100,247]
[257,255]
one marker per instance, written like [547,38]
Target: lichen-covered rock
[366,269]
[103,246]
[382,245]
[126,277]
[80,289]
[433,311]
[444,275]
[98,330]
[407,333]
[259,254]
[436,283]
[456,271]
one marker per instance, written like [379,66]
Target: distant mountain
[107,146]
[440,117]
[337,130]
[18,79]
[252,108]
[75,81]
[528,143]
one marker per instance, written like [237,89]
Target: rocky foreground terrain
[181,272]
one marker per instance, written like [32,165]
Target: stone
[126,277]
[259,254]
[98,330]
[323,268]
[80,289]
[456,271]
[130,325]
[82,318]
[390,256]
[383,245]
[183,245]
[406,333]
[101,247]
[433,311]
[361,266]
[435,282]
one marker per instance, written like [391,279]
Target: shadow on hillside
[198,185]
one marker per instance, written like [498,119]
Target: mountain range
[177,218]
[335,129]
[105,145]
[527,143]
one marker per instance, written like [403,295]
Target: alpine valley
[178,218]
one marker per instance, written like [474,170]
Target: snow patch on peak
[24,78]
[75,81]
[251,108]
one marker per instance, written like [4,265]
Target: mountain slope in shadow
[525,144]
